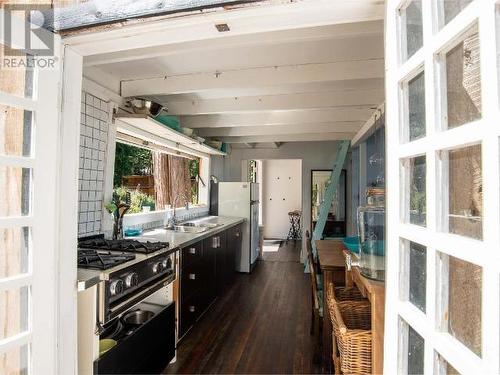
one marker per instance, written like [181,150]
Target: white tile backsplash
[93,141]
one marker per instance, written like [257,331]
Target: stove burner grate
[131,246]
[101,260]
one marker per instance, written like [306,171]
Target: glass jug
[371,228]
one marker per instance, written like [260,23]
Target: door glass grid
[456,185]
[16,185]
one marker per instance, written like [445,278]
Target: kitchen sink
[190,229]
[196,226]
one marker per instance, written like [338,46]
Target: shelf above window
[146,128]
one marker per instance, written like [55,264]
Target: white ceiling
[301,83]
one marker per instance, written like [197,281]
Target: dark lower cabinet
[207,268]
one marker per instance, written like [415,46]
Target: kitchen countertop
[177,240]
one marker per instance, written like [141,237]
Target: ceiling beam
[281,129]
[346,115]
[289,138]
[272,15]
[278,75]
[278,102]
[328,32]
[315,87]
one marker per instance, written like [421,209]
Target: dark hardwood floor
[260,325]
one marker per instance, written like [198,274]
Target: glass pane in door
[443,367]
[462,313]
[465,195]
[14,258]
[416,107]
[451,8]
[15,361]
[463,81]
[14,311]
[418,271]
[15,182]
[411,17]
[415,352]
[15,131]
[17,81]
[416,196]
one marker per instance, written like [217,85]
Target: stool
[294,233]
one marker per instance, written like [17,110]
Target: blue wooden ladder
[331,189]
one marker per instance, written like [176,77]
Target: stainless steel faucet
[172,222]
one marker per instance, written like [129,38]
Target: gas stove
[129,246]
[129,277]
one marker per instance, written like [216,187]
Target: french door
[443,216]
[29,134]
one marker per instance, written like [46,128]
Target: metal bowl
[146,107]
[137,317]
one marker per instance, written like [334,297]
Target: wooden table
[331,255]
[332,265]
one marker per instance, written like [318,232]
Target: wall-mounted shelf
[147,128]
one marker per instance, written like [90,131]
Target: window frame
[485,131]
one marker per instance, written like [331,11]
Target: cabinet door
[234,247]
[209,266]
[221,263]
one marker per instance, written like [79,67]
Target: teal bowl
[352,243]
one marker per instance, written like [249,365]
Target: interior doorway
[281,193]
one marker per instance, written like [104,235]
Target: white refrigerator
[241,199]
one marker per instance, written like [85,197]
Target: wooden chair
[317,295]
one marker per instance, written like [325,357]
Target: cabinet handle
[218,241]
[191,308]
[192,250]
[192,276]
[214,242]
[237,234]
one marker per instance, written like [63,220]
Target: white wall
[314,155]
[281,193]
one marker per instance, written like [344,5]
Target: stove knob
[155,268]
[116,287]
[165,264]
[160,266]
[131,280]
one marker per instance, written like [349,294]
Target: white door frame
[51,277]
[486,132]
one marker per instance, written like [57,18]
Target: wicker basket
[340,295]
[354,336]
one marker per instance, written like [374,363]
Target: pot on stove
[137,317]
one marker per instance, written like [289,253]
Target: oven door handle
[143,294]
